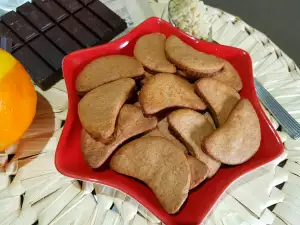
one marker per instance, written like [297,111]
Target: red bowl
[69,160]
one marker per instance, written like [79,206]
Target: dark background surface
[278,19]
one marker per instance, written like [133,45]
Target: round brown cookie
[131,122]
[190,60]
[150,51]
[238,139]
[219,97]
[92,149]
[161,165]
[164,91]
[193,127]
[107,69]
[229,76]
[98,110]
[199,171]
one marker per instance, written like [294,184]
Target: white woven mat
[32,190]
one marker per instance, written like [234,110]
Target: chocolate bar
[44,31]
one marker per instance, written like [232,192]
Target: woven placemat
[32,190]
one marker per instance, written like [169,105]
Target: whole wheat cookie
[161,165]
[131,122]
[163,127]
[238,139]
[219,97]
[193,62]
[193,127]
[165,90]
[150,51]
[107,69]
[98,110]
[199,171]
[229,76]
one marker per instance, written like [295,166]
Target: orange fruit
[18,100]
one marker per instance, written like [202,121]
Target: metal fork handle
[288,123]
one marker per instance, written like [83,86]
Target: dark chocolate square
[79,32]
[85,2]
[95,24]
[52,9]
[70,5]
[6,32]
[21,27]
[111,18]
[48,52]
[41,74]
[35,16]
[62,40]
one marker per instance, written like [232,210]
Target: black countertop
[278,19]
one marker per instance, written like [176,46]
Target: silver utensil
[288,123]
[5,43]
[170,16]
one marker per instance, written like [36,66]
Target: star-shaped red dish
[69,160]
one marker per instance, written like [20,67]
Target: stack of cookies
[170,116]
